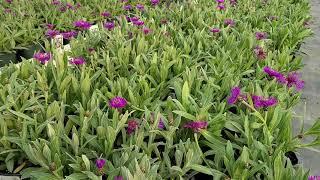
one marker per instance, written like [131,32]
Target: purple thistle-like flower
[221,7]
[81,24]
[261,35]
[220,1]
[134,19]
[106,14]
[118,102]
[42,57]
[118,178]
[50,26]
[161,124]
[146,30]
[155,2]
[293,79]
[215,30]
[229,22]
[77,61]
[109,25]
[314,178]
[9,1]
[233,2]
[196,126]
[261,102]
[55,2]
[63,9]
[235,95]
[100,163]
[140,7]
[273,73]
[127,7]
[51,33]
[132,126]
[260,53]
[69,35]
[138,23]
[69,6]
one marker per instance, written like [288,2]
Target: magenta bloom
[42,57]
[261,102]
[69,35]
[56,2]
[69,6]
[293,79]
[81,24]
[106,14]
[260,53]
[118,102]
[118,178]
[134,19]
[52,33]
[127,7]
[261,35]
[138,23]
[196,126]
[109,25]
[215,30]
[229,22]
[155,2]
[220,1]
[314,178]
[132,126]
[140,7]
[161,124]
[77,61]
[9,1]
[235,95]
[100,163]
[221,7]
[273,73]
[146,30]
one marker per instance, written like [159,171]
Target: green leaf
[86,162]
[205,170]
[185,94]
[185,115]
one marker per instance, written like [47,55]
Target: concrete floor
[309,107]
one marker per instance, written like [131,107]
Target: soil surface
[309,106]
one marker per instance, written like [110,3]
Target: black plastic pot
[6,58]
[28,53]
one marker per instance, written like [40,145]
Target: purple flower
[261,102]
[106,14]
[52,33]
[127,7]
[314,178]
[233,2]
[50,26]
[229,22]
[118,102]
[9,1]
[260,53]
[221,7]
[56,2]
[220,1]
[196,126]
[63,8]
[215,30]
[132,126]
[69,35]
[155,2]
[69,6]
[118,178]
[261,35]
[109,25]
[42,57]
[146,30]
[140,7]
[7,10]
[273,73]
[100,163]
[161,124]
[138,23]
[81,24]
[134,19]
[235,95]
[78,5]
[77,61]
[293,79]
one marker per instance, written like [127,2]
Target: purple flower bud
[134,19]
[69,35]
[235,95]
[56,2]
[106,14]
[220,1]
[50,26]
[221,7]
[100,163]
[140,7]
[109,25]
[196,126]
[273,73]
[42,57]
[233,2]
[229,22]
[138,23]
[132,126]
[77,61]
[161,124]
[146,30]
[118,102]
[9,1]
[215,30]
[118,178]
[260,53]
[7,10]
[127,7]
[261,35]
[155,2]
[293,79]
[52,33]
